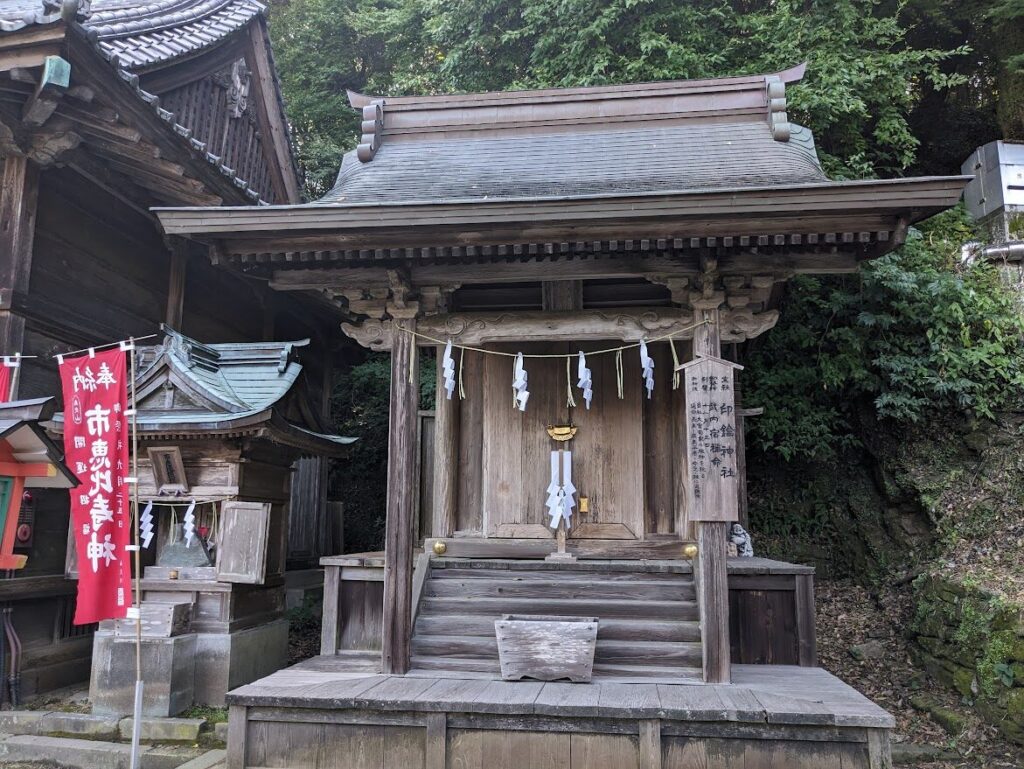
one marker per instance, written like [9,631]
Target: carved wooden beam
[475,329]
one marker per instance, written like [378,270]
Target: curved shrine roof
[670,158]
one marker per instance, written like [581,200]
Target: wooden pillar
[446,457]
[19,193]
[175,313]
[710,567]
[401,499]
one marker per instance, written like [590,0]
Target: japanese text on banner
[96,449]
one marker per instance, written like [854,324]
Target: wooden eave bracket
[52,85]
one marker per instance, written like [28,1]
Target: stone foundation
[973,641]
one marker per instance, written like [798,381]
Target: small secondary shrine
[578,263]
[220,427]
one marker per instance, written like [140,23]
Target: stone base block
[168,672]
[225,661]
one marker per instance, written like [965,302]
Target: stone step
[91,754]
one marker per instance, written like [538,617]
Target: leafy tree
[915,332]
[863,78]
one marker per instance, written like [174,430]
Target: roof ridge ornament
[778,120]
[373,131]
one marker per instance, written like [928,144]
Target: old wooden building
[644,226]
[108,109]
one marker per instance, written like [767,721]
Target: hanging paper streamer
[561,492]
[190,524]
[584,380]
[146,525]
[448,370]
[647,369]
[618,374]
[520,394]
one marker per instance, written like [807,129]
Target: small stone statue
[739,537]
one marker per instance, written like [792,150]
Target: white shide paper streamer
[448,370]
[190,524]
[146,525]
[647,369]
[585,380]
[520,394]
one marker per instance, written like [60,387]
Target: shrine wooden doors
[607,451]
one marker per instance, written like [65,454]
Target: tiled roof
[697,157]
[143,34]
[140,33]
[132,35]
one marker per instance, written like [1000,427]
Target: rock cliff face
[972,640]
[936,509]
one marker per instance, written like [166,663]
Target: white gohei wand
[561,491]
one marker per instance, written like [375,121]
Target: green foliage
[914,332]
[360,402]
[862,83]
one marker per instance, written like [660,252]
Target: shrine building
[585,502]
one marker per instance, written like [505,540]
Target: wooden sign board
[242,551]
[713,482]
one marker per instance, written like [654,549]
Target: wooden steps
[648,628]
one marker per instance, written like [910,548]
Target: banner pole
[137,713]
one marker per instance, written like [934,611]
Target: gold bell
[440,548]
[690,551]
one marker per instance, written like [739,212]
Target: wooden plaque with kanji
[712,487]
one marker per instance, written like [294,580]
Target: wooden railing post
[446,457]
[401,499]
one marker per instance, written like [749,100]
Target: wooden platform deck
[337,712]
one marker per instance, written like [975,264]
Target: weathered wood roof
[645,137]
[705,156]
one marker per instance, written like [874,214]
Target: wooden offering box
[546,648]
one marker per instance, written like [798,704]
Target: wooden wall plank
[446,454]
[608,461]
[604,751]
[469,505]
[660,453]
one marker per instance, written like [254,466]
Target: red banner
[5,382]
[96,449]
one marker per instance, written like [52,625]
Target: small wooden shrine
[220,427]
[578,262]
